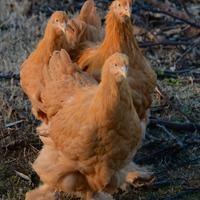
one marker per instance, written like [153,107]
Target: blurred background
[168,32]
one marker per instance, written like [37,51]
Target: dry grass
[20,30]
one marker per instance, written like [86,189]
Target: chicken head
[122,8]
[59,21]
[116,66]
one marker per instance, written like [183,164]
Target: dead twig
[25,177]
[170,149]
[180,165]
[181,194]
[170,135]
[157,184]
[178,108]
[182,3]
[13,123]
[170,14]
[167,8]
[196,42]
[163,43]
[160,91]
[173,125]
[190,80]
[12,145]
[158,108]
[9,75]
[167,150]
[174,74]
[6,22]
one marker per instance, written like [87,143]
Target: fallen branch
[25,177]
[14,145]
[195,43]
[157,184]
[185,8]
[170,135]
[175,74]
[163,43]
[13,123]
[167,8]
[181,194]
[165,151]
[179,165]
[190,80]
[9,75]
[173,125]
[169,14]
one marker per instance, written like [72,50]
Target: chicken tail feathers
[38,109]
[60,65]
[89,14]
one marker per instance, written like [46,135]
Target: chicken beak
[63,27]
[127,12]
[124,71]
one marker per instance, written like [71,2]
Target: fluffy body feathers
[89,14]
[119,37]
[91,132]
[31,78]
[62,78]
[84,28]
[103,142]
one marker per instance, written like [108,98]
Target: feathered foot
[135,173]
[43,130]
[98,196]
[42,193]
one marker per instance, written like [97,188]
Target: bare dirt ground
[172,150]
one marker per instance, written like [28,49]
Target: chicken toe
[135,172]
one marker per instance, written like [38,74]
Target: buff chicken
[119,37]
[31,78]
[61,33]
[93,137]
[86,27]
[61,77]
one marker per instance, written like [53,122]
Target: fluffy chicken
[31,78]
[89,14]
[94,137]
[85,27]
[119,37]
[62,78]
[60,33]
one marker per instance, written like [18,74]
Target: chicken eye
[119,4]
[56,20]
[115,65]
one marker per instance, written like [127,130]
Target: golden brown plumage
[31,78]
[86,27]
[94,137]
[89,14]
[119,37]
[62,78]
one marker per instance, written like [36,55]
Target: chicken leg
[135,172]
[98,196]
